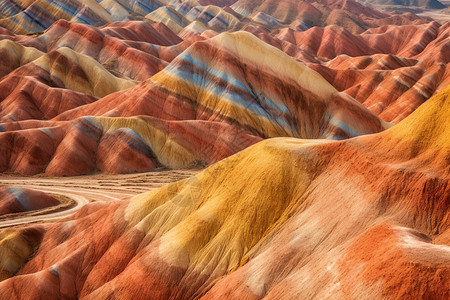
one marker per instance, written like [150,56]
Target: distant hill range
[432,4]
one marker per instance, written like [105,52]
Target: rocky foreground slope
[361,218]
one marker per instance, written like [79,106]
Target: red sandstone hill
[390,78]
[17,200]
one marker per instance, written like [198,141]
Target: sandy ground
[80,190]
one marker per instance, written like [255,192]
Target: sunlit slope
[81,73]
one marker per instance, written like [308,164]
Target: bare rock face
[124,151]
[16,200]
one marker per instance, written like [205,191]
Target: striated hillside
[215,93]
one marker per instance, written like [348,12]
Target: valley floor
[86,189]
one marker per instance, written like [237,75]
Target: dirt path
[85,189]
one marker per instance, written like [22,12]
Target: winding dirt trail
[86,189]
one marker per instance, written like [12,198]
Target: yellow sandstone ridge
[95,80]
